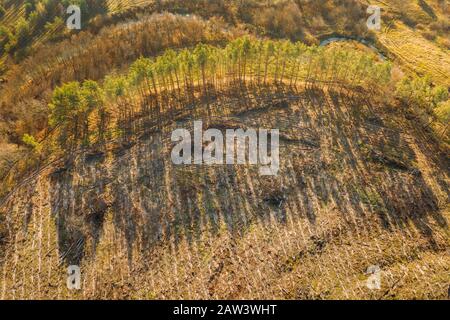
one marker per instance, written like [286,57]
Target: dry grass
[417,54]
[409,35]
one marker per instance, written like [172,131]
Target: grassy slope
[408,46]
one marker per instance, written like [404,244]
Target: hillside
[87,177]
[141,227]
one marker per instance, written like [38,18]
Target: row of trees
[261,62]
[163,86]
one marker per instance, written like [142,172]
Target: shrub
[30,142]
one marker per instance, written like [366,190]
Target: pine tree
[65,113]
[92,99]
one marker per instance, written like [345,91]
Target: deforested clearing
[87,176]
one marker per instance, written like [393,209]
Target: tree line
[89,112]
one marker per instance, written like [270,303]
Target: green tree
[23,33]
[91,100]
[186,61]
[140,75]
[201,58]
[65,108]
[269,52]
[246,49]
[139,71]
[116,90]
